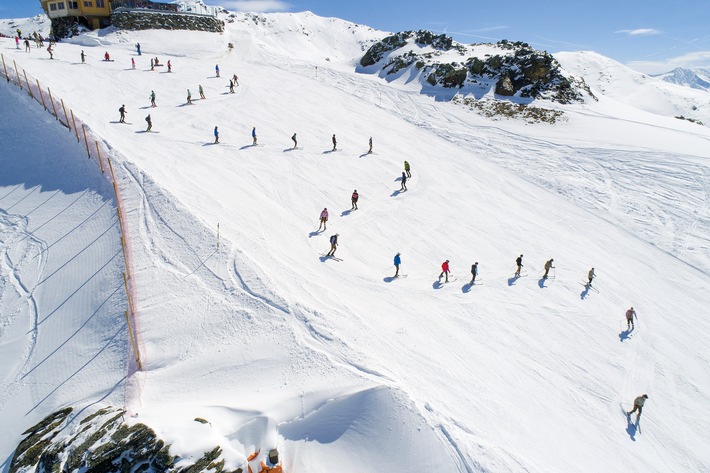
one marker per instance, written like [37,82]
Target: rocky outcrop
[137,20]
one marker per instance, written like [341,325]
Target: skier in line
[17,42]
[150,123]
[295,142]
[335,142]
[353,200]
[83,57]
[231,86]
[253,135]
[152,98]
[152,64]
[590,275]
[369,151]
[216,135]
[133,63]
[123,113]
[189,97]
[107,56]
[445,270]
[403,187]
[170,67]
[406,169]
[638,405]
[27,47]
[323,219]
[519,263]
[202,92]
[236,80]
[50,51]
[216,70]
[397,262]
[630,314]
[333,244]
[138,48]
[548,266]
[474,272]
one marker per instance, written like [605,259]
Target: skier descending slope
[406,169]
[333,244]
[216,135]
[403,187]
[150,123]
[353,200]
[123,113]
[445,270]
[638,406]
[548,266]
[590,276]
[152,99]
[519,264]
[253,135]
[397,263]
[335,143]
[630,315]
[474,272]
[323,219]
[295,141]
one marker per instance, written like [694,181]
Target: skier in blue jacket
[216,135]
[397,262]
[474,272]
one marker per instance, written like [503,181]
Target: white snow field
[335,362]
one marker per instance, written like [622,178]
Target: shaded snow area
[335,362]
[62,327]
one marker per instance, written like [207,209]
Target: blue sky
[650,36]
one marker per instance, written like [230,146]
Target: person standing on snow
[189,97]
[548,266]
[406,169]
[235,79]
[202,92]
[83,57]
[353,200]
[397,262]
[216,135]
[474,272]
[28,49]
[335,142]
[50,51]
[216,70]
[638,405]
[295,142]
[123,113]
[170,67]
[152,98]
[253,136]
[333,244]
[138,48]
[107,56]
[231,86]
[445,270]
[323,219]
[403,187]
[369,151]
[150,123]
[591,276]
[630,314]
[17,42]
[519,264]
[152,64]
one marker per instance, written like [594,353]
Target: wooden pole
[113,176]
[65,114]
[98,152]
[123,246]
[86,142]
[29,89]
[128,294]
[41,95]
[118,210]
[52,100]
[7,76]
[18,74]
[76,130]
[133,342]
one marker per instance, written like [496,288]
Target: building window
[74,5]
[60,5]
[88,4]
[100,3]
[53,6]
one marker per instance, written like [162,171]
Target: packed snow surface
[334,361]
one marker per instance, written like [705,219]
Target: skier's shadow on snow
[398,179]
[312,234]
[248,146]
[585,292]
[541,283]
[466,288]
[328,151]
[437,284]
[211,143]
[365,154]
[289,149]
[397,192]
[346,213]
[147,106]
[631,428]
[513,280]
[388,279]
[625,335]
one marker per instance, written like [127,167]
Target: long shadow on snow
[584,293]
[625,335]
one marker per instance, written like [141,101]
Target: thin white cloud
[640,32]
[260,6]
[696,59]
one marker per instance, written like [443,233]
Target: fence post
[52,100]
[65,114]
[133,342]
[86,142]
[41,94]
[5,67]
[118,212]
[128,294]
[29,89]
[76,130]
[98,152]
[18,74]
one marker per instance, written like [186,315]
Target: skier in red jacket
[445,270]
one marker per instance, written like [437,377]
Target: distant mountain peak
[694,78]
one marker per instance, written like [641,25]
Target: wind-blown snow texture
[333,361]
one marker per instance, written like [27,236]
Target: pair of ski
[588,286]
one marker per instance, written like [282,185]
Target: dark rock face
[102,443]
[518,70]
[133,20]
